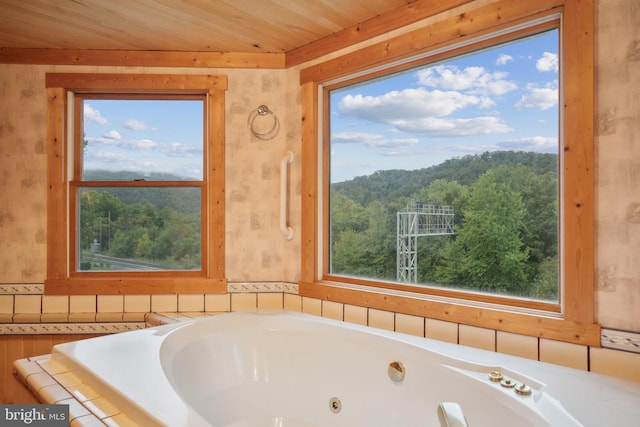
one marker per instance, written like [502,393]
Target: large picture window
[448,171]
[136,170]
[446,174]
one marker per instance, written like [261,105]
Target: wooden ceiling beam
[381,24]
[139,58]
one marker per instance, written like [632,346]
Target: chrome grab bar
[284,179]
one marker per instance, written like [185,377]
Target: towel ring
[263,110]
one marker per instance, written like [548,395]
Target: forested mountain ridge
[388,185]
[505,223]
[181,199]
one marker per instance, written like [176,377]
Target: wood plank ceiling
[251,26]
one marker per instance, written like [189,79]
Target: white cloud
[133,124]
[113,134]
[405,104]
[532,143]
[455,127]
[94,115]
[475,80]
[541,98]
[140,143]
[419,111]
[178,149]
[548,62]
[503,59]
[371,140]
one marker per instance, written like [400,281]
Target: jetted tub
[294,370]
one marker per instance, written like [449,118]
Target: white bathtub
[293,370]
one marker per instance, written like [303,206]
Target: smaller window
[139,181]
[136,179]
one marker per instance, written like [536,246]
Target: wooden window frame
[62,277]
[480,25]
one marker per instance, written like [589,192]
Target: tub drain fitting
[335,405]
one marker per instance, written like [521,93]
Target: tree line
[151,224]
[506,224]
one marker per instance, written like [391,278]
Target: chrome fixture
[508,383]
[335,405]
[523,389]
[263,111]
[396,371]
[520,388]
[495,376]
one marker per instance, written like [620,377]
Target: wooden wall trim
[478,20]
[382,24]
[138,58]
[112,82]
[309,185]
[578,108]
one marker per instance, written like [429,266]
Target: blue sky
[504,98]
[144,135]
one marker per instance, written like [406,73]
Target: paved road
[123,263]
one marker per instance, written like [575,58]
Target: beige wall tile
[53,393]
[312,306]
[6,304]
[82,317]
[244,302]
[270,301]
[517,345]
[217,302]
[441,330]
[89,420]
[137,303]
[381,319]
[164,303]
[190,302]
[333,310]
[110,303]
[109,316]
[82,304]
[293,303]
[119,420]
[54,317]
[101,407]
[134,316]
[83,392]
[562,353]
[28,303]
[356,314]
[55,304]
[473,336]
[412,325]
[616,363]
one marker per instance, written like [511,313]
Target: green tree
[143,247]
[488,253]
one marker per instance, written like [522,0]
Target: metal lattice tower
[419,220]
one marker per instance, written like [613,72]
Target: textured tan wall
[618,164]
[23,163]
[256,250]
